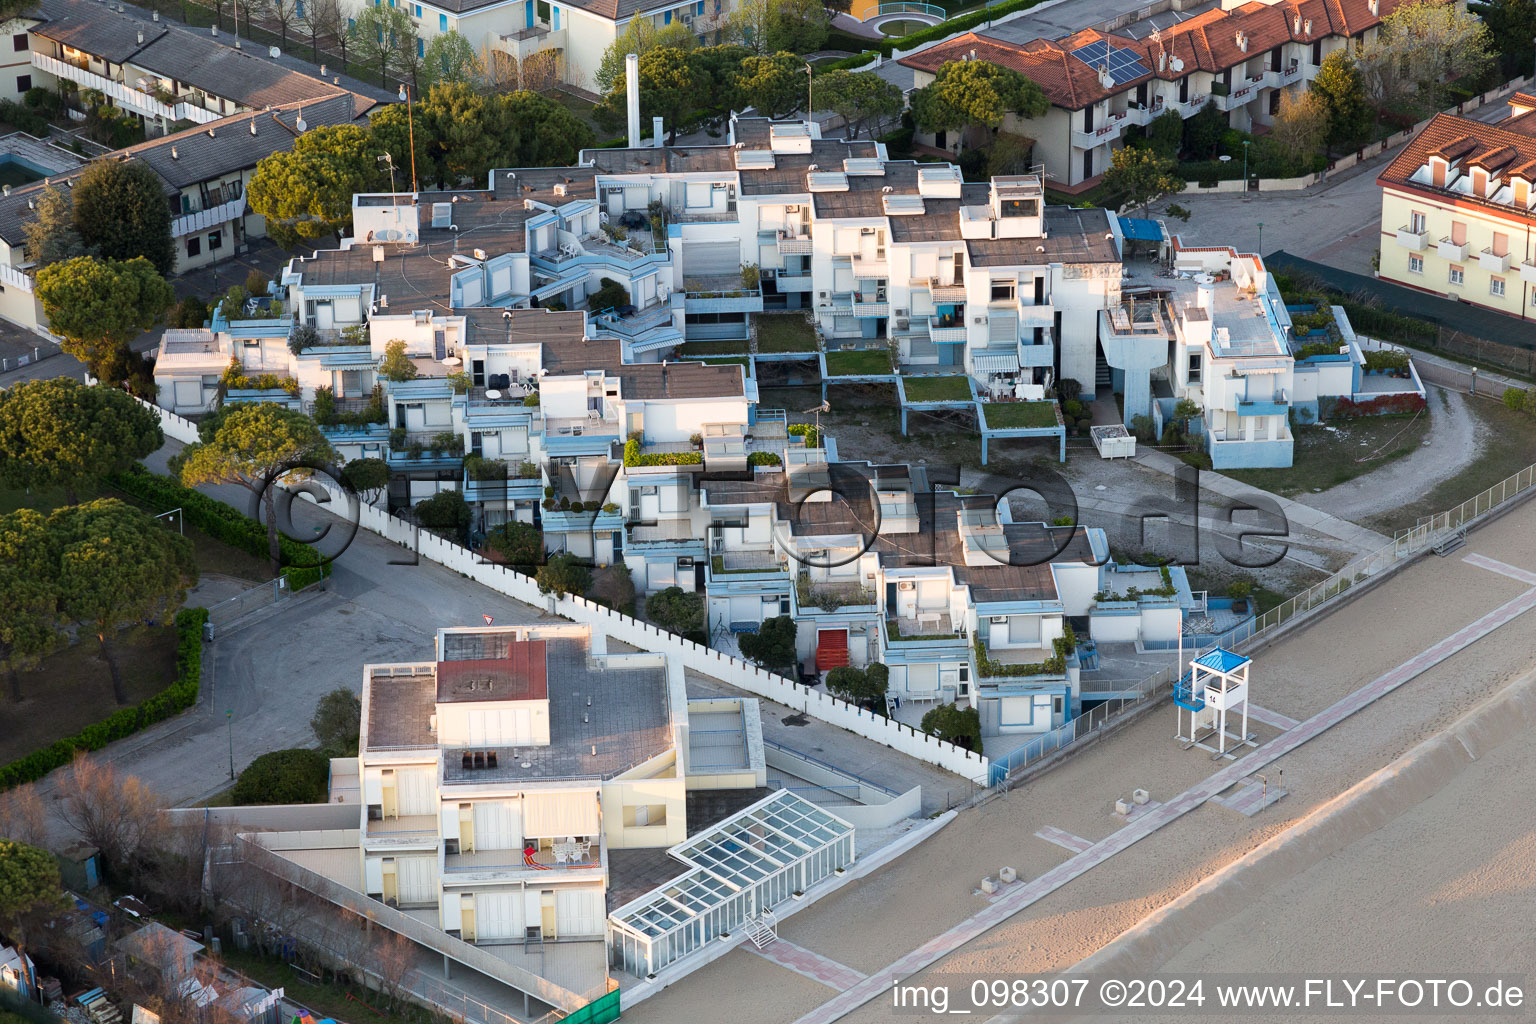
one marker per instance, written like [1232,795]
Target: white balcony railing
[134,99]
[1414,239]
[1493,262]
[1453,251]
[13,278]
[203,220]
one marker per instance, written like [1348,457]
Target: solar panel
[1122,64]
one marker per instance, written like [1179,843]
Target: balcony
[629,256]
[549,862]
[635,324]
[530,40]
[948,291]
[206,220]
[793,282]
[1493,263]
[721,293]
[794,245]
[870,269]
[1528,273]
[831,597]
[1277,405]
[924,630]
[1456,252]
[1037,355]
[1041,314]
[409,832]
[1109,131]
[871,309]
[665,531]
[737,566]
[1411,238]
[137,101]
[946,330]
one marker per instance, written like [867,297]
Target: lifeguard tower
[1216,683]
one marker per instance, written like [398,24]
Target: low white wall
[877,809]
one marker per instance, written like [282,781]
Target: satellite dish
[1177,63]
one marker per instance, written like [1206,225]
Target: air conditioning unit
[687,19]
[909,585]
[998,620]
[901,324]
[978,319]
[792,209]
[901,312]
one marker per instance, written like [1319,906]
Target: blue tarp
[1141,230]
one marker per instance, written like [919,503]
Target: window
[194,246]
[421,47]
[1458,275]
[1003,291]
[215,240]
[19,41]
[442,23]
[1458,232]
[1195,361]
[1415,264]
[642,815]
[1416,222]
[298,8]
[699,8]
[1500,245]
[23,83]
[351,23]
[1056,704]
[416,10]
[1496,286]
[666,18]
[1317,52]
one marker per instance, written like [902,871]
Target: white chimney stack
[1205,296]
[632,88]
[656,133]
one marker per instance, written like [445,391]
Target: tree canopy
[384,36]
[975,94]
[676,609]
[563,574]
[861,98]
[295,776]
[450,58]
[120,211]
[254,445]
[58,432]
[1338,84]
[774,85]
[99,305]
[30,620]
[1420,46]
[641,36]
[863,686]
[671,86]
[29,892]
[773,645]
[772,26]
[118,566]
[960,726]
[396,365]
[1512,28]
[368,477]
[51,234]
[337,720]
[1139,177]
[306,192]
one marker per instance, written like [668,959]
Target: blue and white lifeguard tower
[1216,683]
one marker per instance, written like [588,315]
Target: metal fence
[260,596]
[1429,532]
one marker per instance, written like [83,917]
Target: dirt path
[1453,439]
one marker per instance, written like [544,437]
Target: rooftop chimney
[322,70]
[141,37]
[632,90]
[155,15]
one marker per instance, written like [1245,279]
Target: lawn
[1509,446]
[789,332]
[328,999]
[1330,454]
[73,689]
[1012,415]
[713,348]
[937,389]
[866,362]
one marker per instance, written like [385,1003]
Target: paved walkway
[805,962]
[978,924]
[1304,516]
[1052,834]
[1274,718]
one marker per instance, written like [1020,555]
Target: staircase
[763,930]
[1451,541]
[831,649]
[1103,383]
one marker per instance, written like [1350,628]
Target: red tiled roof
[1486,145]
[1206,42]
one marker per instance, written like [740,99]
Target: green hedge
[175,698]
[934,33]
[221,522]
[634,457]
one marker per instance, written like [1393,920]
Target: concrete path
[807,963]
[1271,718]
[1051,834]
[1027,894]
[1298,515]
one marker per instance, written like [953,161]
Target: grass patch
[330,999]
[785,333]
[1095,196]
[1327,455]
[728,361]
[1509,446]
[897,29]
[866,362]
[73,689]
[937,389]
[1011,415]
[713,348]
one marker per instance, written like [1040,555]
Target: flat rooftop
[519,674]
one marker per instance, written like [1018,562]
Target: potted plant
[1240,593]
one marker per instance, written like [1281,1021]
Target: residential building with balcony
[1239,57]
[166,74]
[204,172]
[1457,208]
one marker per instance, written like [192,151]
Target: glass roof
[728,857]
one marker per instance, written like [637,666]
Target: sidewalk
[1297,514]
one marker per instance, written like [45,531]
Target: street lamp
[229,723]
[410,121]
[1246,143]
[808,80]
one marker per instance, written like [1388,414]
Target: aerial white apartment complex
[1239,57]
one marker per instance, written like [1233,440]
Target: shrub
[175,698]
[764,459]
[677,610]
[221,522]
[960,726]
[609,295]
[1514,399]
[257,283]
[445,511]
[634,457]
[296,776]
[531,400]
[517,543]
[191,312]
[562,575]
[578,507]
[1386,361]
[44,101]
[303,337]
[1068,389]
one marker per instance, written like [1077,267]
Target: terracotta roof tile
[1488,145]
